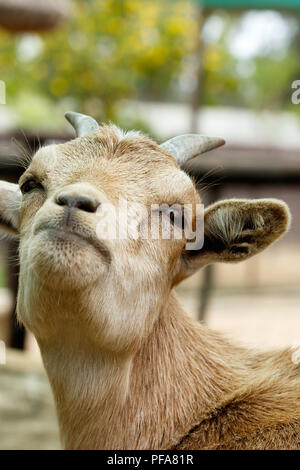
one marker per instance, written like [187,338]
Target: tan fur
[128,368]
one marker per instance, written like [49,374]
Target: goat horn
[82,124]
[185,147]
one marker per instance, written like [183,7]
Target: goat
[128,368]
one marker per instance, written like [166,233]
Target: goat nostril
[78,202]
[87,205]
[61,201]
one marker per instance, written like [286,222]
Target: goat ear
[10,200]
[237,229]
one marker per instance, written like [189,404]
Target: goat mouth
[73,235]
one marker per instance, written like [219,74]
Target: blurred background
[167,67]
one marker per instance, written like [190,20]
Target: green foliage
[260,82]
[109,50]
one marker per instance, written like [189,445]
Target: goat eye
[30,185]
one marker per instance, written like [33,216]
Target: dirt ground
[27,416]
[263,319]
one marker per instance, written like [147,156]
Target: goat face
[72,275]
